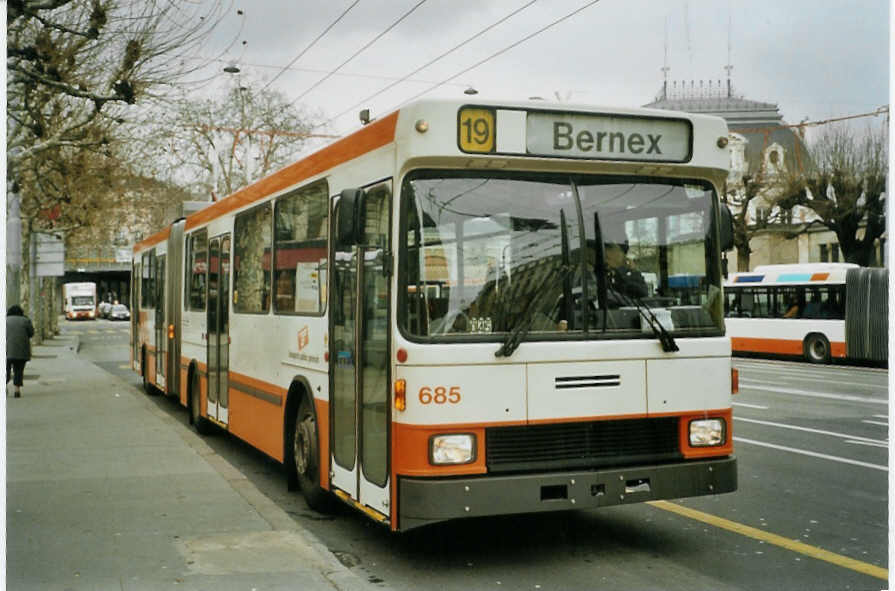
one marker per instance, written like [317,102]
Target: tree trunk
[743,258]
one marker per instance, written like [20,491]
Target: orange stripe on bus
[265,387]
[373,136]
[779,346]
[322,407]
[257,422]
[156,238]
[410,451]
[410,443]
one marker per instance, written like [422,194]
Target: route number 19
[476,131]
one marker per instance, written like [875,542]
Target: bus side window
[300,250]
[146,285]
[833,307]
[788,304]
[197,265]
[251,268]
[761,303]
[733,303]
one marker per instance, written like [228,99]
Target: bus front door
[359,358]
[161,329]
[218,335]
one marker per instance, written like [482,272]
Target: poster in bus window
[307,287]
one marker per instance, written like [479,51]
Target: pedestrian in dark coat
[19,331]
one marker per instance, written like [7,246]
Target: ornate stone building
[762,145]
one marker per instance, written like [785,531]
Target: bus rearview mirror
[726,228]
[350,217]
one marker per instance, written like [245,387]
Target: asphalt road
[810,512]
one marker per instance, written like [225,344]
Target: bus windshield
[567,256]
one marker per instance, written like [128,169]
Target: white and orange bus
[818,311]
[418,319]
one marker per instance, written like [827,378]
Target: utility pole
[33,308]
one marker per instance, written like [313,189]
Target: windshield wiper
[668,343]
[556,276]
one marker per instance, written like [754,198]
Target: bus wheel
[305,454]
[817,348]
[200,423]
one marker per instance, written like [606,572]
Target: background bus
[819,311]
[79,300]
[416,319]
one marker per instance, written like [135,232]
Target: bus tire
[199,423]
[306,458]
[816,348]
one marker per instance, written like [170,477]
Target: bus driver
[621,277]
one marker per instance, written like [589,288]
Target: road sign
[50,256]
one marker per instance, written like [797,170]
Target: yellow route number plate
[476,130]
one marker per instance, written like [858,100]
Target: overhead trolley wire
[430,62]
[312,43]
[359,51]
[316,70]
[500,52]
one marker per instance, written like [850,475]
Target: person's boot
[18,393]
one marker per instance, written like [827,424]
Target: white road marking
[875,422]
[871,444]
[743,404]
[881,416]
[770,365]
[813,454]
[843,397]
[809,430]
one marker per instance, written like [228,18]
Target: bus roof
[792,274]
[552,134]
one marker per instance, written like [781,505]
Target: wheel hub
[302,450]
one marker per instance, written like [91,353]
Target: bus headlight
[707,432]
[452,449]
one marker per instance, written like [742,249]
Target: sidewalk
[106,491]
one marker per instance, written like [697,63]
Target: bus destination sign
[608,137]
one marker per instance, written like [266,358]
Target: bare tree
[75,68]
[740,198]
[219,145]
[845,187]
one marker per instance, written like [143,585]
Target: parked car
[119,312]
[104,308]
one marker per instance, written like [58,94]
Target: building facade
[762,146]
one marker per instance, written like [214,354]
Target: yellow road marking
[124,367]
[794,545]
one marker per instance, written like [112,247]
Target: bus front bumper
[425,500]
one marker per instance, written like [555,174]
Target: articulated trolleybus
[444,314]
[821,311]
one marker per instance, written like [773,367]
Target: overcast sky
[815,58]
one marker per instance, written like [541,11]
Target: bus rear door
[161,334]
[218,338]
